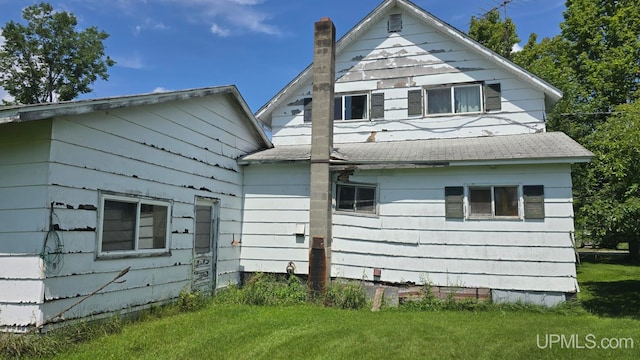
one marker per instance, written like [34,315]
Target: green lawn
[609,291]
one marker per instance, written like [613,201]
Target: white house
[91,188]
[443,171]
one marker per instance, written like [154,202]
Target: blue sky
[258,45]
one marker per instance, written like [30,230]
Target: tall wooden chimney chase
[320,221]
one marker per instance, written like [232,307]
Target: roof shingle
[550,147]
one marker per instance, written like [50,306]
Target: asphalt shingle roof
[540,146]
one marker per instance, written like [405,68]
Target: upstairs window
[133,225]
[356,198]
[457,99]
[351,107]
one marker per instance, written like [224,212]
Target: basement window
[351,107]
[356,198]
[131,225]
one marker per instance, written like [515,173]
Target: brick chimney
[320,221]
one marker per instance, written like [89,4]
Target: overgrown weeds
[431,302]
[345,295]
[269,290]
[35,345]
[56,341]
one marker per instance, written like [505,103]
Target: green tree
[492,32]
[48,59]
[595,61]
[611,183]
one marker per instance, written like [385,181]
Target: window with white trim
[351,107]
[493,201]
[356,198]
[456,99]
[133,225]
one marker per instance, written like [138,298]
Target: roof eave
[430,164]
[24,113]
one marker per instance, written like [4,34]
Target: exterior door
[205,245]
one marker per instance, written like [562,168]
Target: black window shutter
[492,97]
[307,110]
[533,202]
[453,202]
[377,106]
[414,102]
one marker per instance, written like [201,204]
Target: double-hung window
[456,99]
[133,225]
[351,107]
[356,198]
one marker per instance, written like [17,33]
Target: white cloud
[231,16]
[134,61]
[149,24]
[516,48]
[220,31]
[160,89]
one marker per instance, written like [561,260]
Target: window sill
[356,213]
[131,255]
[493,218]
[454,114]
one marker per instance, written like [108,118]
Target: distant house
[443,171]
[90,188]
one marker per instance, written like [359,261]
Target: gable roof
[552,94]
[34,112]
[552,147]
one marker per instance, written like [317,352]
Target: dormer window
[394,24]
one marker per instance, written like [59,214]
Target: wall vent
[395,23]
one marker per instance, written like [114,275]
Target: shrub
[265,289]
[345,295]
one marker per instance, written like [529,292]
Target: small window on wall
[307,110]
[493,201]
[356,198]
[351,107]
[131,225]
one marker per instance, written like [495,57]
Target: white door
[205,245]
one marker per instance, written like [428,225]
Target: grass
[311,332]
[610,285]
[608,310]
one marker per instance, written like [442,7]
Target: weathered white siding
[276,200]
[393,63]
[409,237]
[174,151]
[24,152]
